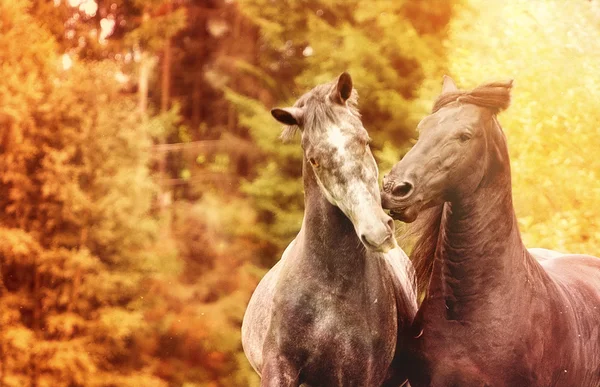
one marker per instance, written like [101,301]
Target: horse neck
[479,248]
[330,243]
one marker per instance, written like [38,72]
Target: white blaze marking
[337,139]
[351,198]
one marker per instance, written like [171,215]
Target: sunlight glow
[121,77]
[89,7]
[67,62]
[107,26]
[308,51]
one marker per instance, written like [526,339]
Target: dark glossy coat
[495,313]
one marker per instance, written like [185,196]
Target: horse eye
[313,162]
[465,136]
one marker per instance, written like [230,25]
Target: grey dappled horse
[333,311]
[495,313]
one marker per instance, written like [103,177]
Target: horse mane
[425,230]
[427,227]
[288,133]
[494,95]
[316,110]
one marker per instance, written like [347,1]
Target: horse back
[578,273]
[577,305]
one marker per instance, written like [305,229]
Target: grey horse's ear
[448,85]
[343,89]
[288,116]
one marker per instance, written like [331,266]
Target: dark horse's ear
[448,85]
[343,89]
[288,116]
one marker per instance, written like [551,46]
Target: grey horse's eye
[366,142]
[314,162]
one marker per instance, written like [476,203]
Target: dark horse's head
[459,143]
[336,145]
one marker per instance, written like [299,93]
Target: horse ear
[343,89]
[448,85]
[288,116]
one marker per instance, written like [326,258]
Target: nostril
[402,189]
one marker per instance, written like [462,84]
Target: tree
[77,231]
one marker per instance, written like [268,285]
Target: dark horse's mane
[426,228]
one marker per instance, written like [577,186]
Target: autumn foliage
[144,191]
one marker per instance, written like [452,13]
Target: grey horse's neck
[479,251]
[330,244]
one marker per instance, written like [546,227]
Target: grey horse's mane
[316,113]
[426,228]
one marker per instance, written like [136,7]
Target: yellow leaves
[386,158]
[66,361]
[120,322]
[17,245]
[19,338]
[64,326]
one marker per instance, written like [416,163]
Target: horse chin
[405,214]
[387,245]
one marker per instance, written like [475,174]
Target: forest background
[143,188]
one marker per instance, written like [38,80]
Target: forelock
[494,95]
[318,110]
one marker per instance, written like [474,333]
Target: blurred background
[144,191]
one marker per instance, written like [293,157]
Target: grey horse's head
[336,145]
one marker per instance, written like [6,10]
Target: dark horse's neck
[328,236]
[479,253]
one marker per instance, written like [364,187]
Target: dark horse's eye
[465,136]
[313,162]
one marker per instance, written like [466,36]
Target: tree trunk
[83,236]
[166,75]
[164,107]
[2,363]
[2,353]
[233,50]
[197,101]
[145,67]
[33,359]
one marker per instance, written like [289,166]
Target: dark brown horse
[495,313]
[334,310]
